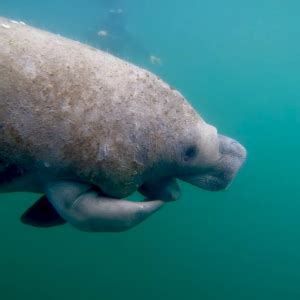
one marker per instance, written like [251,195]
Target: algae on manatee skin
[238,63]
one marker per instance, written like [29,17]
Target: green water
[238,63]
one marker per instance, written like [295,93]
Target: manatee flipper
[166,189]
[42,214]
[87,209]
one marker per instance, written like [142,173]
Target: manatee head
[211,161]
[201,157]
[160,138]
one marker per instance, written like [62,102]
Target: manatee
[86,130]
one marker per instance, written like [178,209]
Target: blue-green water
[238,63]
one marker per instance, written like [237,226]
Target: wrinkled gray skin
[88,129]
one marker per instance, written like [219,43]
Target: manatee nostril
[231,147]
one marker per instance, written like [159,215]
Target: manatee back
[73,107]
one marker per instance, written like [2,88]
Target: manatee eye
[190,153]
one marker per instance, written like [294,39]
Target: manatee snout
[221,173]
[231,147]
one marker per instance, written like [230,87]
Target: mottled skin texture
[71,112]
[70,96]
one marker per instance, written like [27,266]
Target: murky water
[238,64]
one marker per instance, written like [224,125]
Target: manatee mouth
[221,174]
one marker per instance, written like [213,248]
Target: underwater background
[238,63]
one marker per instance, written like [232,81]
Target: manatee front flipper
[165,189]
[87,209]
[42,214]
